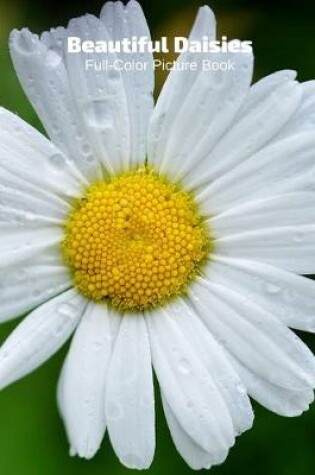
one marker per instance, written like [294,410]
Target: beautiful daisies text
[143,44]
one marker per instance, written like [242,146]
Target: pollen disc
[135,241]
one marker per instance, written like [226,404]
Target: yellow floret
[135,241]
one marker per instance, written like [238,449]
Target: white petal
[289,247]
[275,230]
[26,286]
[127,22]
[267,107]
[54,39]
[42,72]
[100,98]
[304,118]
[292,209]
[129,395]
[188,387]
[215,360]
[29,156]
[30,203]
[81,391]
[282,167]
[256,338]
[194,456]
[263,88]
[213,101]
[289,297]
[18,245]
[39,336]
[279,400]
[204,25]
[176,87]
[25,218]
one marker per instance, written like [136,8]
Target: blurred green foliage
[32,439]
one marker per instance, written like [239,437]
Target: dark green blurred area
[32,440]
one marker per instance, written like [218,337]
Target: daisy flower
[168,237]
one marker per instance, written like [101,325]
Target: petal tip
[23,41]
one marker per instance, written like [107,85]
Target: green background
[32,439]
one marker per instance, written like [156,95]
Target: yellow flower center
[135,241]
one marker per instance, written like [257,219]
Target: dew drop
[98,345]
[272,288]
[67,310]
[26,42]
[289,296]
[184,366]
[114,411]
[57,160]
[86,149]
[5,354]
[30,216]
[298,237]
[58,329]
[87,402]
[90,158]
[53,59]
[113,75]
[100,114]
[241,388]
[72,452]
[132,460]
[36,292]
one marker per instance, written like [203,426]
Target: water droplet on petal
[133,460]
[36,292]
[72,452]
[241,388]
[90,158]
[5,354]
[98,345]
[53,59]
[298,237]
[86,149]
[57,160]
[68,310]
[113,75]
[114,411]
[26,41]
[58,329]
[184,366]
[289,296]
[100,114]
[272,288]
